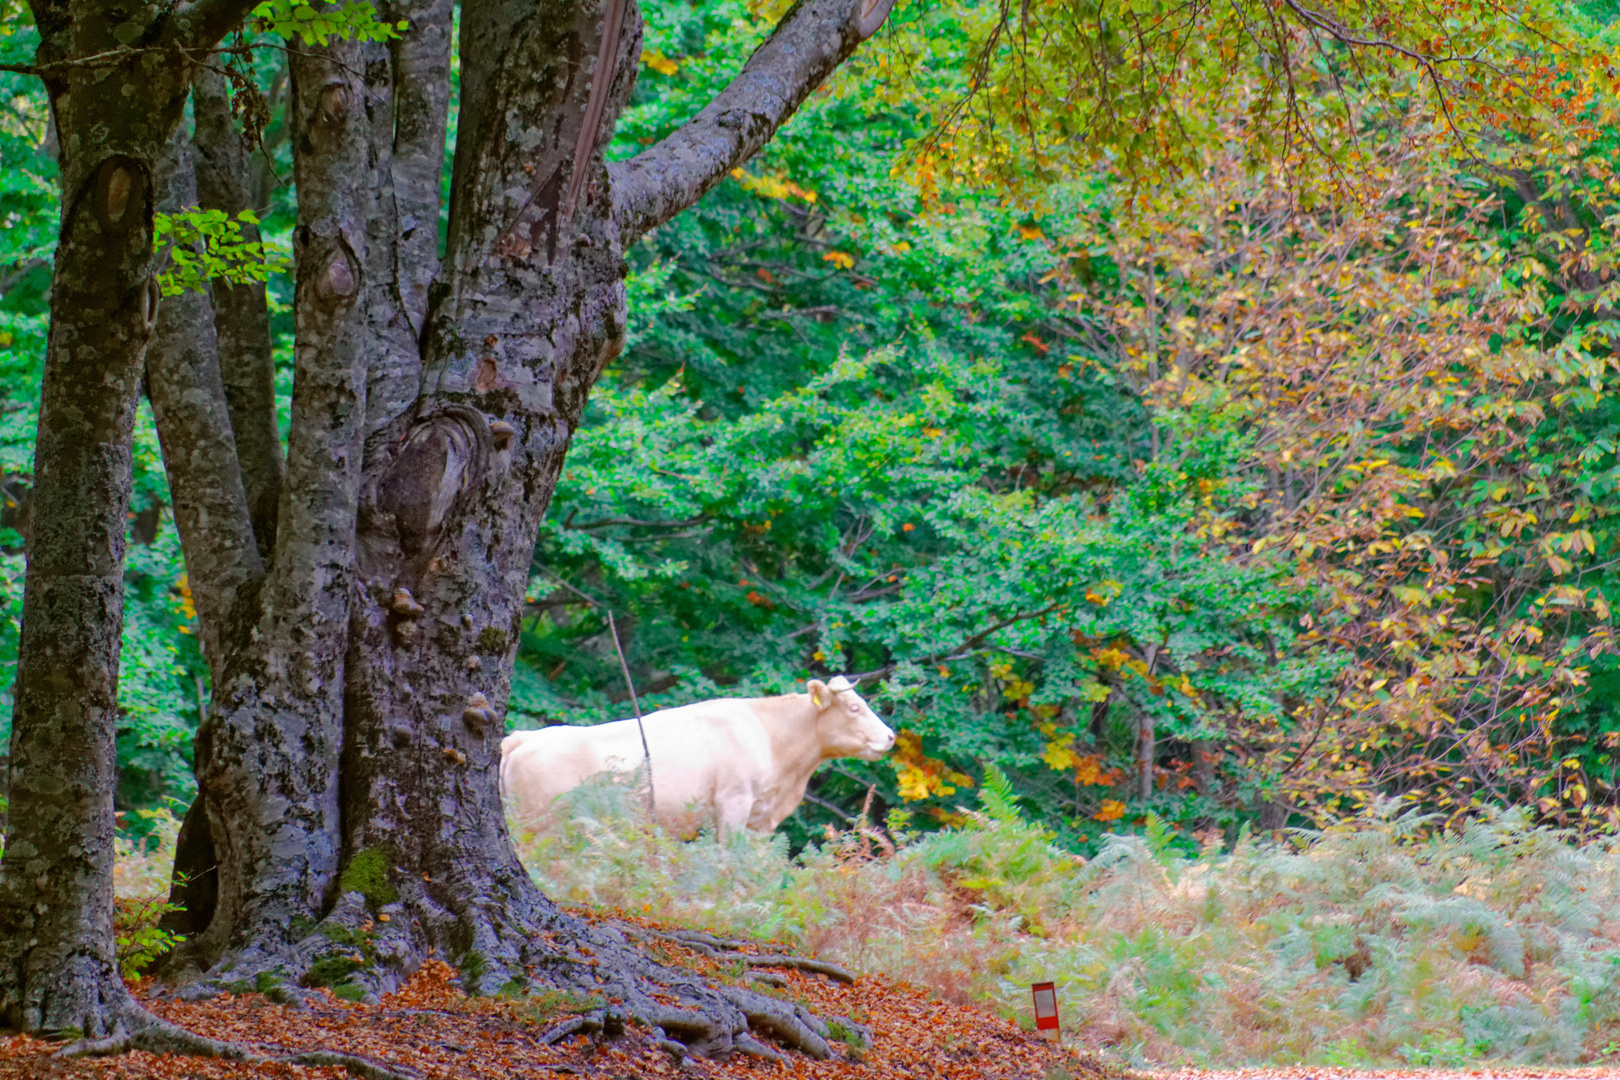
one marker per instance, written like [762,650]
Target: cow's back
[708,760]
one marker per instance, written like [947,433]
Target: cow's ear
[819,695]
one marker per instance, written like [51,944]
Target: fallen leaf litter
[432,1029]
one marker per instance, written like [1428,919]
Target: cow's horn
[838,684]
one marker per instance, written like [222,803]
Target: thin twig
[636,704]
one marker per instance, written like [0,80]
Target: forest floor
[432,1029]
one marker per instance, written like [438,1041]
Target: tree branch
[246,364]
[201,23]
[421,58]
[194,429]
[810,42]
[960,652]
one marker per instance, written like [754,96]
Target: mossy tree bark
[117,78]
[348,765]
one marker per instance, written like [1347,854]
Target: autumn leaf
[660,63]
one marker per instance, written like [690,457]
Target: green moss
[367,874]
[492,640]
[333,970]
[473,966]
[351,952]
[349,992]
[544,1006]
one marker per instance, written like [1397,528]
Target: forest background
[1242,492]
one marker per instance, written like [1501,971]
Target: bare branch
[960,652]
[666,178]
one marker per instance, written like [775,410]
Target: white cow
[735,762]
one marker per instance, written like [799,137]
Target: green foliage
[205,245]
[162,674]
[998,798]
[1048,91]
[545,1005]
[315,24]
[1038,470]
[474,965]
[137,938]
[141,879]
[846,435]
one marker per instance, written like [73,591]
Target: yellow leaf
[776,186]
[840,259]
[1059,756]
[655,59]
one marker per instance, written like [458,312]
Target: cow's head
[847,725]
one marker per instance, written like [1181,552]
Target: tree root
[157,1036]
[357,1064]
[579,1025]
[729,949]
[522,942]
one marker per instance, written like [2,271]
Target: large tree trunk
[348,766]
[114,120]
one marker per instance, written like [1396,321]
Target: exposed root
[729,950]
[750,1045]
[364,952]
[672,1048]
[140,1030]
[790,1024]
[358,1065]
[143,1031]
[579,1025]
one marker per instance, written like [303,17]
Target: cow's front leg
[734,810]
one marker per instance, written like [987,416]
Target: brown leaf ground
[432,1028]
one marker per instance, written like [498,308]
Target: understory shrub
[1387,939]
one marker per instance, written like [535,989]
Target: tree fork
[394,821]
[268,754]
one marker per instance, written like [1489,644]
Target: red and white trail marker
[1046,1016]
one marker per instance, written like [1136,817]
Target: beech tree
[359,599]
